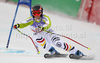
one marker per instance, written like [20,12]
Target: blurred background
[85,10]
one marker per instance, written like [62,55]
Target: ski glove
[16,26]
[40,28]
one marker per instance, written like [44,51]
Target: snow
[83,32]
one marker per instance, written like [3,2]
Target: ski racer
[39,23]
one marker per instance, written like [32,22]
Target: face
[36,14]
[37,17]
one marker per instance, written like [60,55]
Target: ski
[71,56]
[54,55]
[86,57]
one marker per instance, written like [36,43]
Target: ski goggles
[36,13]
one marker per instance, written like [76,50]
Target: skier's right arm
[28,21]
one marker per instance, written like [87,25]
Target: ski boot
[77,55]
[53,51]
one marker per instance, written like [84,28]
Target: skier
[39,23]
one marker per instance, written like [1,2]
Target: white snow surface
[83,32]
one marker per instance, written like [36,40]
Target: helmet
[37,10]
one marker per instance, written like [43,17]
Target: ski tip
[46,55]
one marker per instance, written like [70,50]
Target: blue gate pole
[12,27]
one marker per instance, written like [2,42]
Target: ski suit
[44,39]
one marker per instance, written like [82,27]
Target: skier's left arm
[47,24]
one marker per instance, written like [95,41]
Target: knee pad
[56,41]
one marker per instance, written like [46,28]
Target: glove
[16,26]
[40,28]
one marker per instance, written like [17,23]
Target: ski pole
[31,40]
[70,39]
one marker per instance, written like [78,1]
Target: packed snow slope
[83,32]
